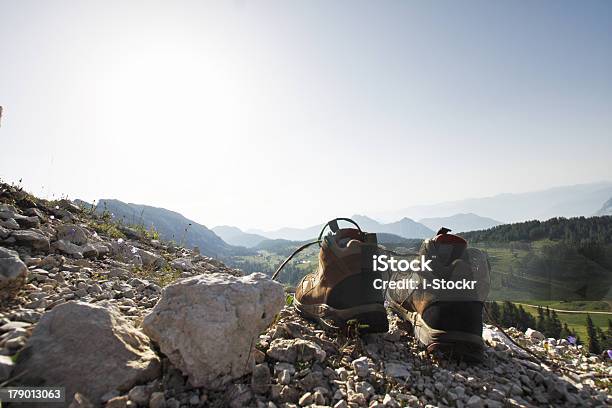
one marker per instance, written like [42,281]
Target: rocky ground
[82,305]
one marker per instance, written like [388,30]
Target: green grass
[107,228]
[163,276]
[599,305]
[515,277]
[576,321]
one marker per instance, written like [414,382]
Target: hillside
[170,225]
[559,259]
[129,321]
[460,222]
[596,229]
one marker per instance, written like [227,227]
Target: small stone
[360,366]
[475,402]
[356,397]
[109,396]
[80,401]
[13,272]
[118,402]
[534,334]
[14,325]
[279,367]
[318,398]
[460,391]
[292,350]
[388,401]
[194,400]
[173,403]
[260,380]
[365,388]
[493,404]
[289,394]
[341,404]
[306,399]
[342,373]
[258,356]
[140,395]
[284,377]
[157,400]
[239,395]
[397,370]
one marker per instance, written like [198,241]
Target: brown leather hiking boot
[445,305]
[341,291]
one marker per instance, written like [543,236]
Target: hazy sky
[267,114]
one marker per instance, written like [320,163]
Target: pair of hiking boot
[445,316]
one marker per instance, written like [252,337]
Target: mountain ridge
[235,236]
[461,222]
[405,228]
[171,225]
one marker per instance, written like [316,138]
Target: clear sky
[268,114]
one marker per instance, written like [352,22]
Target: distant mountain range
[235,236]
[469,215]
[566,201]
[171,225]
[460,222]
[405,228]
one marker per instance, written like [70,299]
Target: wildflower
[57,207]
[120,240]
[134,250]
[571,340]
[52,217]
[609,354]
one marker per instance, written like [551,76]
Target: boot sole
[372,318]
[457,345]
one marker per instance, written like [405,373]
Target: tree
[494,312]
[592,340]
[565,332]
[525,320]
[541,322]
[555,325]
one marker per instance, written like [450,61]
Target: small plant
[162,277]
[354,328]
[149,234]
[301,365]
[107,228]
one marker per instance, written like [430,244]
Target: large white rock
[86,348]
[207,325]
[12,271]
